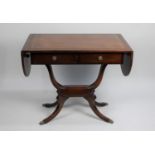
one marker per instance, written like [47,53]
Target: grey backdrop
[131,99]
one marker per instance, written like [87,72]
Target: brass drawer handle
[100,58]
[54,58]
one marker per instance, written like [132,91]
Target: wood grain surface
[78,43]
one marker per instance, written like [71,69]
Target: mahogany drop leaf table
[56,49]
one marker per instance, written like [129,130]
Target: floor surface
[22,110]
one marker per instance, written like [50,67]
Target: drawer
[100,58]
[53,59]
[38,58]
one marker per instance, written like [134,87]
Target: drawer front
[76,58]
[100,58]
[54,59]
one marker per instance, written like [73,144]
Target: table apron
[37,58]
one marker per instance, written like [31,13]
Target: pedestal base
[86,91]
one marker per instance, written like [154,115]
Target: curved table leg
[64,92]
[96,111]
[50,105]
[61,100]
[99,104]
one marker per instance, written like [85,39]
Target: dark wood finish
[76,58]
[54,59]
[104,49]
[26,63]
[127,63]
[100,58]
[72,43]
[61,100]
[64,92]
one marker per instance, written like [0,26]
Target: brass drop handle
[54,58]
[100,58]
